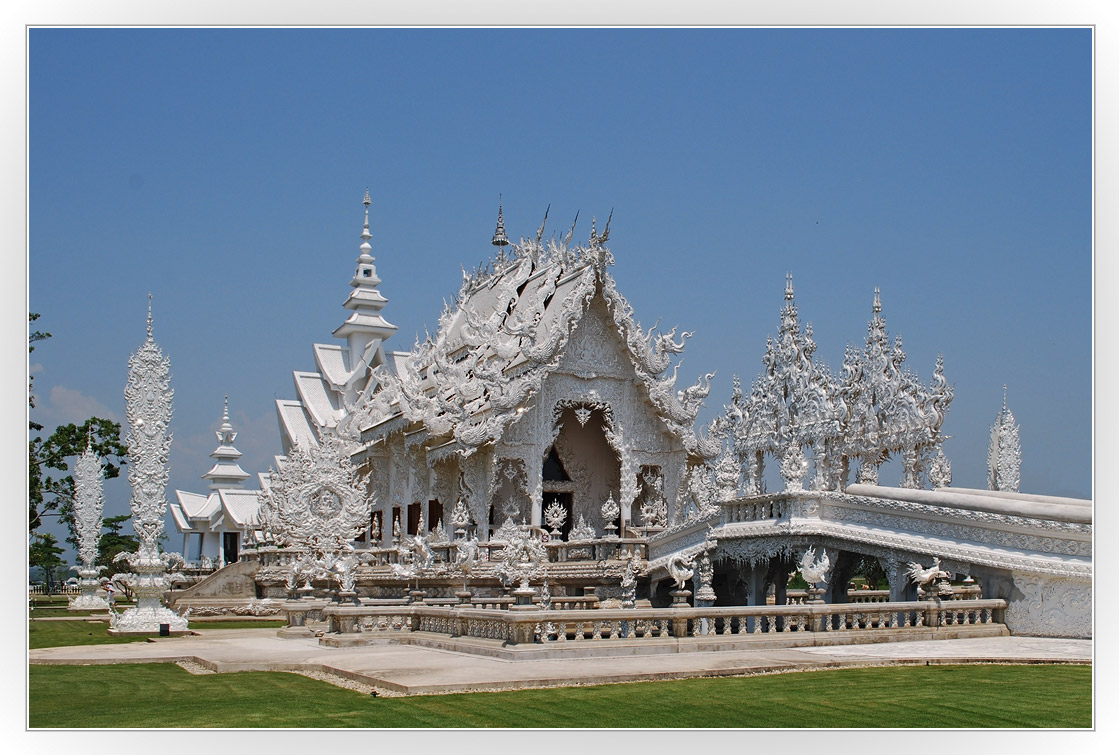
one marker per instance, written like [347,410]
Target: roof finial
[788,286]
[225,412]
[89,438]
[540,230]
[365,234]
[149,315]
[877,301]
[1004,398]
[499,237]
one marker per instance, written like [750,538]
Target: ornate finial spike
[225,412]
[499,237]
[89,437]
[367,201]
[1004,398]
[149,315]
[788,286]
[540,230]
[877,301]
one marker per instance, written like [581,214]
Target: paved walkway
[411,669]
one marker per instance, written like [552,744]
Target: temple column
[900,587]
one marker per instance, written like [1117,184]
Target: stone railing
[57,589]
[757,510]
[515,627]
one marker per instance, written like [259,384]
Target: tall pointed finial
[1004,398]
[567,238]
[89,437]
[540,230]
[877,301]
[225,412]
[606,231]
[149,315]
[788,286]
[365,234]
[499,237]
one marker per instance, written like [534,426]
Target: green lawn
[50,634]
[163,695]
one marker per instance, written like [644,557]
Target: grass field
[163,695]
[78,631]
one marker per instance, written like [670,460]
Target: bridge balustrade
[578,625]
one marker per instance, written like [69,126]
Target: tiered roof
[342,372]
[503,334]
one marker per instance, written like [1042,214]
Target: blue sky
[223,169]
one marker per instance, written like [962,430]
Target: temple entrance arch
[581,453]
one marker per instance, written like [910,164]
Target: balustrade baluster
[596,633]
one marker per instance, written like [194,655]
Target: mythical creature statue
[924,577]
[466,555]
[422,555]
[681,569]
[814,569]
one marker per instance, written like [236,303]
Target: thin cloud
[69,405]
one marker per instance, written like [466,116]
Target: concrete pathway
[411,669]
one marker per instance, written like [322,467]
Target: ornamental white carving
[813,569]
[940,471]
[316,499]
[1004,457]
[705,571]
[88,504]
[1050,607]
[523,558]
[555,515]
[681,569]
[147,398]
[932,580]
[873,410]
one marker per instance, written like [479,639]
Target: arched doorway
[580,470]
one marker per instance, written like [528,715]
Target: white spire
[365,329]
[1004,455]
[226,472]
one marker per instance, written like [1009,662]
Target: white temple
[541,418]
[213,524]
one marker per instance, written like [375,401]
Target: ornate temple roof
[503,334]
[343,371]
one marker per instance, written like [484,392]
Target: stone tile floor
[411,669]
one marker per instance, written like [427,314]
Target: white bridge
[1033,551]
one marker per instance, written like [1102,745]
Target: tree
[45,554]
[113,542]
[46,493]
[33,337]
[869,567]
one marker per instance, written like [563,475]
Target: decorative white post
[147,399]
[1004,458]
[88,504]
